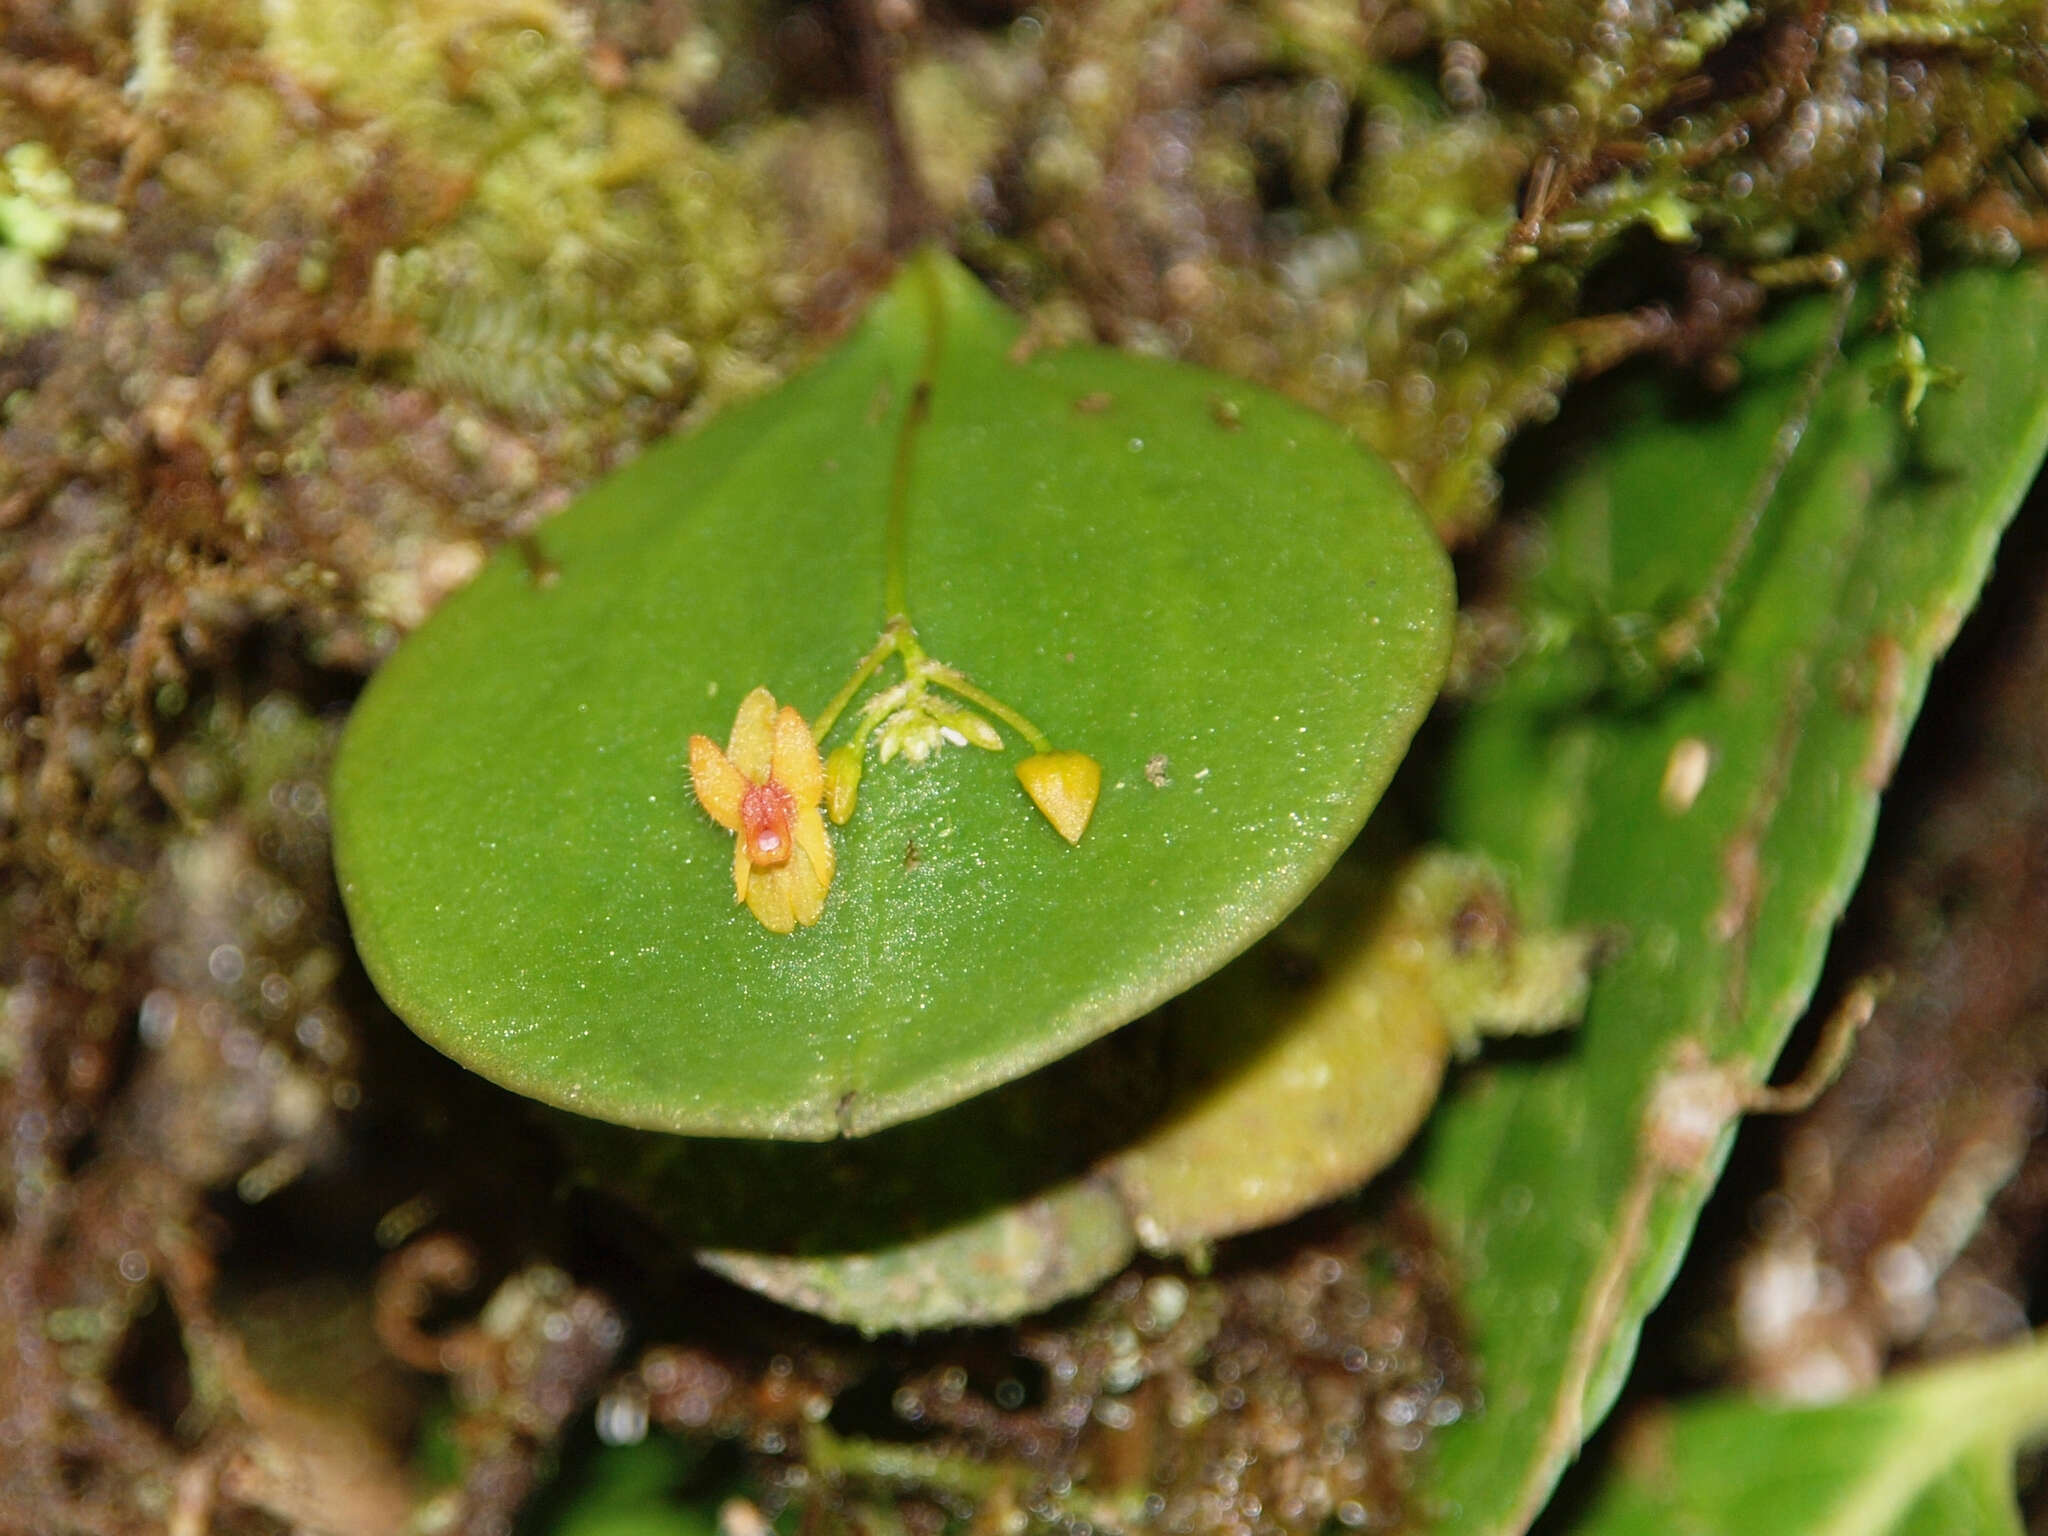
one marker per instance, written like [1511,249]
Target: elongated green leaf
[1716,828]
[1975,1497]
[1206,590]
[1927,1452]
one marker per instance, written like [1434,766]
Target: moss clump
[39,211]
[590,247]
[1427,220]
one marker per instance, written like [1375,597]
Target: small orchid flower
[766,787]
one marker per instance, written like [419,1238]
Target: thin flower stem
[896,534]
[891,641]
[872,716]
[898,637]
[914,660]
[948,679]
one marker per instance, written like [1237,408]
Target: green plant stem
[891,641]
[896,536]
[952,681]
[901,1465]
[899,637]
[876,712]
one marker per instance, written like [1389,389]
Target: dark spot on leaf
[540,570]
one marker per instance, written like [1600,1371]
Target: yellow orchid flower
[766,787]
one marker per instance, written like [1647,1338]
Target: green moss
[599,248]
[39,212]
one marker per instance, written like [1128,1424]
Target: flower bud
[1064,786]
[842,782]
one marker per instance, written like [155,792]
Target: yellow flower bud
[842,782]
[970,727]
[1064,786]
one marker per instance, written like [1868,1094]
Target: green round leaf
[1207,590]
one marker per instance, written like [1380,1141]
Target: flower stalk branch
[769,785]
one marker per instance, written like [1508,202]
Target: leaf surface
[1285,1080]
[1931,1451]
[1721,889]
[1207,590]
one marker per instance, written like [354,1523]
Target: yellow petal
[742,870]
[813,843]
[719,785]
[796,764]
[806,889]
[1064,786]
[768,898]
[753,732]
